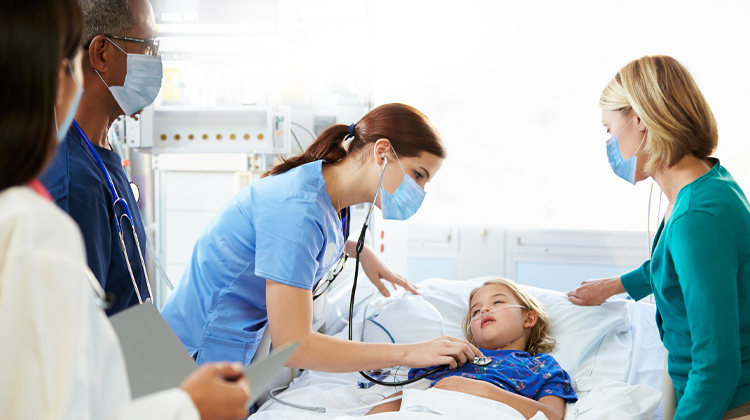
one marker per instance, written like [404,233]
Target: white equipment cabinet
[200,159]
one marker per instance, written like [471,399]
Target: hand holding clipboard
[156,360]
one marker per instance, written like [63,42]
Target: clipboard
[263,371]
[156,360]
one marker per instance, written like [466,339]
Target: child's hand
[465,385]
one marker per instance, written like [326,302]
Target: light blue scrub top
[277,228]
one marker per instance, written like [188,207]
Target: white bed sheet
[612,353]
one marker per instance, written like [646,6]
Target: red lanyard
[39,188]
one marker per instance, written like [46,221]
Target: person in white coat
[59,355]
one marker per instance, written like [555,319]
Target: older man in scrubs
[119,42]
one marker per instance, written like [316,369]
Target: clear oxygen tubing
[484,314]
[322,410]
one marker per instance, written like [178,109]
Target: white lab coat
[59,355]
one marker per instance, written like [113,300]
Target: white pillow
[591,340]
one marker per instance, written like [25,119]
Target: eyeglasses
[152,45]
[336,270]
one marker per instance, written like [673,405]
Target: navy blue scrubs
[78,186]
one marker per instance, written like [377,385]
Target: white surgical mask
[142,82]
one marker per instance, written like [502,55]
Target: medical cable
[364,317]
[382,328]
[323,410]
[306,129]
[157,264]
[291,130]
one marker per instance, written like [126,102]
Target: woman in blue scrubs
[699,271]
[256,264]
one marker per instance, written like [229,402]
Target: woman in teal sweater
[699,271]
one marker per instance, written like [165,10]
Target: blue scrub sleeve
[638,282]
[92,216]
[707,267]
[289,242]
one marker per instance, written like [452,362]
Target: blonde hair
[664,95]
[540,340]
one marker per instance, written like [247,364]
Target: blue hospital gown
[515,371]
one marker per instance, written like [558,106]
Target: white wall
[513,87]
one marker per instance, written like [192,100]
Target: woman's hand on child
[445,350]
[595,292]
[465,385]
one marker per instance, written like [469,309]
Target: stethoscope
[118,201]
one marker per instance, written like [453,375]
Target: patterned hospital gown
[515,371]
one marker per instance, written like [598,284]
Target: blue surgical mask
[142,82]
[62,130]
[624,168]
[405,201]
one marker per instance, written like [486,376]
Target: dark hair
[35,36]
[408,130]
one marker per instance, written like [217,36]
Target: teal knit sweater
[699,274]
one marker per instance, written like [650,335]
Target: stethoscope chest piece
[482,361]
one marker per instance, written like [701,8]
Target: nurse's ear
[381,150]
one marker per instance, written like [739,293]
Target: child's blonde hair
[540,340]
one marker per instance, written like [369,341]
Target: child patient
[510,327]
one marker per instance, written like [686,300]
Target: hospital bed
[612,353]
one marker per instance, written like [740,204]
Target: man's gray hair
[106,17]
